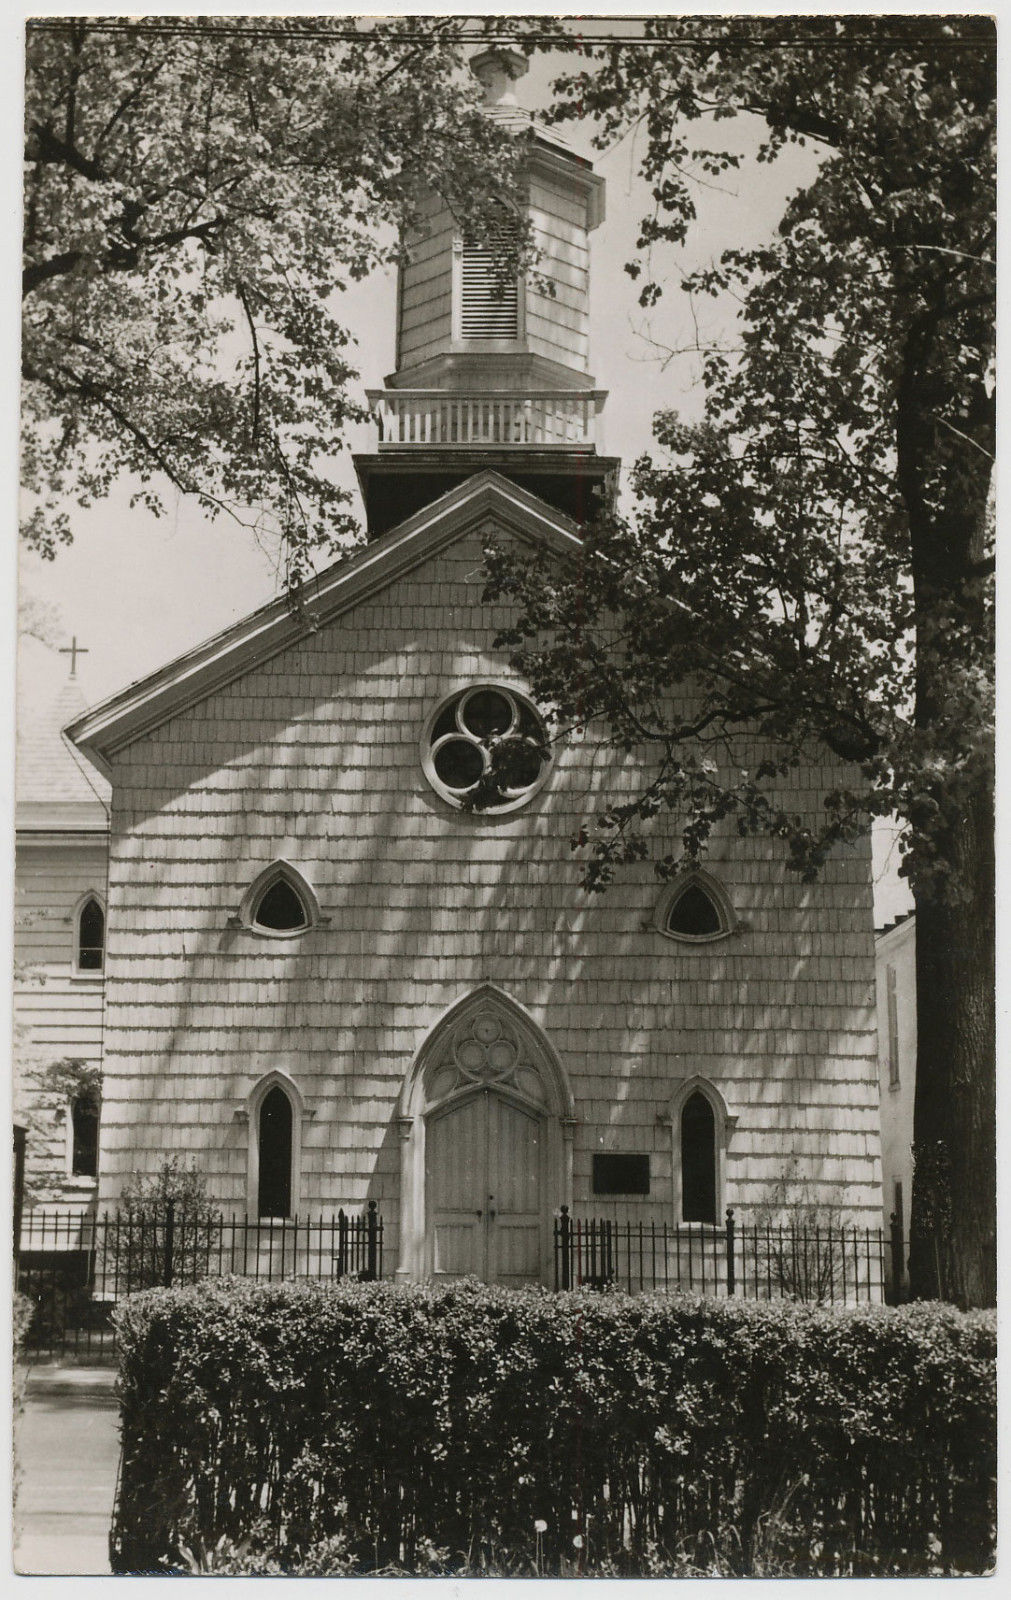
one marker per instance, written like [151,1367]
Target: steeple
[493,375]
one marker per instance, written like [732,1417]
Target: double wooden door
[483,1161]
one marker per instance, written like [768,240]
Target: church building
[329,980]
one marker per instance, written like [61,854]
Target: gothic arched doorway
[486,1124]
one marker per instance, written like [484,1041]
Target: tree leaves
[810,557]
[193,200]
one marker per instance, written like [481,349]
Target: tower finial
[496,70]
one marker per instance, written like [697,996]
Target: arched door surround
[486,1118]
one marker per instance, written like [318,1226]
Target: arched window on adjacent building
[89,936]
[84,1114]
[274,1136]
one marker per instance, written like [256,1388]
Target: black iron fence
[758,1261]
[76,1267]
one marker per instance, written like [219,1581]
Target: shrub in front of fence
[519,1431]
[165,1228]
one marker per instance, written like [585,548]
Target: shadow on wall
[423,903]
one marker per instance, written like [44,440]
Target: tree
[146,1233]
[813,559]
[196,195]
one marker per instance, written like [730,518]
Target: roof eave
[142,706]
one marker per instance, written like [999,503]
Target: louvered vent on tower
[489,302]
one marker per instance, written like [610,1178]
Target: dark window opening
[91,937]
[458,764]
[694,914]
[274,1190]
[84,1118]
[281,909]
[620,1174]
[487,714]
[486,745]
[698,1160]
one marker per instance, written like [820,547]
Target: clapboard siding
[57,1015]
[425,309]
[315,756]
[556,328]
[558,203]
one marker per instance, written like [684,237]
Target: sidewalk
[67,1453]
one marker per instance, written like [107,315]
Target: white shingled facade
[314,757]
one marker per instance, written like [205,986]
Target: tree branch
[255,429]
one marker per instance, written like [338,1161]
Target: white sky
[136,590]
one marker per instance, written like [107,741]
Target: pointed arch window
[274,1137]
[701,1127]
[280,903]
[698,1160]
[696,910]
[89,937]
[280,909]
[274,1115]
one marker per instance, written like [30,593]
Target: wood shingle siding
[315,757]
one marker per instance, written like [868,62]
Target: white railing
[545,419]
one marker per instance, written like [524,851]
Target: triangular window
[694,915]
[696,909]
[280,909]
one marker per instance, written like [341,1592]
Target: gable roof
[117,721]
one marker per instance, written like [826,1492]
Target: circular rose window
[485,749]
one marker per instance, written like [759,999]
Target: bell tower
[493,373]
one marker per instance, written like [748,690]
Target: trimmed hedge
[473,1428]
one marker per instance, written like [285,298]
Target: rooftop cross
[73,650]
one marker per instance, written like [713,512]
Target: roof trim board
[126,716]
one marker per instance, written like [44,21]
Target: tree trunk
[953,1225]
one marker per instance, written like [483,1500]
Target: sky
[135,591]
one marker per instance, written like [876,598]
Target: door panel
[514,1234]
[455,1163]
[483,1166]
